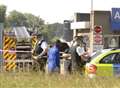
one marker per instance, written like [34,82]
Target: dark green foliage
[2,13]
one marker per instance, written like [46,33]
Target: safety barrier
[24,65]
[10,62]
[9,44]
[21,65]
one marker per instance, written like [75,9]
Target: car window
[94,55]
[117,59]
[109,59]
[97,53]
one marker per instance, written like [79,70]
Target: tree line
[31,22]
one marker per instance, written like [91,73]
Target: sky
[58,10]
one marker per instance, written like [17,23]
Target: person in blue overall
[54,58]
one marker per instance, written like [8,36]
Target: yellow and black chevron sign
[34,40]
[9,57]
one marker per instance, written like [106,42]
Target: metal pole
[1,39]
[91,27]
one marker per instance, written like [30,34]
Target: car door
[105,65]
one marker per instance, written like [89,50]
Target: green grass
[38,80]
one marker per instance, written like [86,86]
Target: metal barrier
[24,65]
[10,52]
[21,65]
[27,65]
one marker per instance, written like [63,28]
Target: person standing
[54,58]
[82,55]
[40,52]
[78,52]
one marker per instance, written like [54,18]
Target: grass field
[38,80]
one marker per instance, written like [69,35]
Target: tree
[28,20]
[16,18]
[33,22]
[52,31]
[2,12]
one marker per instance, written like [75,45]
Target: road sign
[98,29]
[98,39]
[115,19]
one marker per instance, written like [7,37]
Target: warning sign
[98,39]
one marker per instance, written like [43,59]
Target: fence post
[1,44]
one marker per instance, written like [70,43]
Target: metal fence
[21,65]
[28,65]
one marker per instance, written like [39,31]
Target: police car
[104,63]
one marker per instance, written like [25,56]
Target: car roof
[110,49]
[101,52]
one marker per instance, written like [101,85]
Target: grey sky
[58,10]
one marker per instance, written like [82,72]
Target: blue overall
[53,59]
